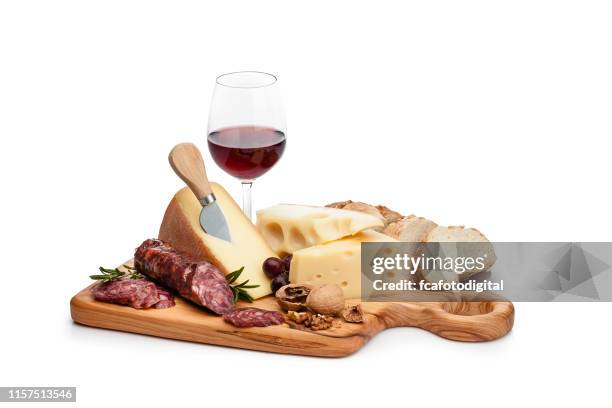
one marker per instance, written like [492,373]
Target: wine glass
[246,127]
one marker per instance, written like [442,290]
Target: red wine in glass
[246,152]
[246,127]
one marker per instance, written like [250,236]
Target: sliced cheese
[289,228]
[336,262]
[181,229]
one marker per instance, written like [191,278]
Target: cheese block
[181,229]
[289,228]
[336,262]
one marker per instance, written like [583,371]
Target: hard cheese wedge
[181,229]
[336,262]
[289,228]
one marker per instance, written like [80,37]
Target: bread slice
[410,229]
[449,237]
[181,229]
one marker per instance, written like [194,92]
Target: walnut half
[298,317]
[353,314]
[319,322]
[310,320]
[293,296]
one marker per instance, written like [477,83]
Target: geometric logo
[572,270]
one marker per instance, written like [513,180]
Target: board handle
[461,321]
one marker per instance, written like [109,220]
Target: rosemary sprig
[109,275]
[239,289]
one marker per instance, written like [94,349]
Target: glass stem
[246,199]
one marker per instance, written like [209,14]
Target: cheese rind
[336,262]
[181,229]
[288,228]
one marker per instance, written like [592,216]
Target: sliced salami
[137,293]
[199,282]
[252,316]
[166,299]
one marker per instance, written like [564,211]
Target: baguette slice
[410,229]
[181,229]
[448,237]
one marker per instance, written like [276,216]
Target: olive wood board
[461,321]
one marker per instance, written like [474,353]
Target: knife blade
[186,161]
[213,221]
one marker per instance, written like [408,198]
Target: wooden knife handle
[186,161]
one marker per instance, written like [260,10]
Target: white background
[489,114]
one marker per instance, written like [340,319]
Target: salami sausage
[199,282]
[252,316]
[137,293]
[166,299]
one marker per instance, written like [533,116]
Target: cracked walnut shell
[292,297]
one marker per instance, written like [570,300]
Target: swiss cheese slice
[336,262]
[289,228]
[181,229]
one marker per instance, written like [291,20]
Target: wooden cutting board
[461,321]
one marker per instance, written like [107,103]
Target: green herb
[239,289]
[109,275]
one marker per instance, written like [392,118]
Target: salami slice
[137,293]
[166,299]
[252,316]
[200,282]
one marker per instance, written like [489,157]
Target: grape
[287,262]
[279,281]
[273,267]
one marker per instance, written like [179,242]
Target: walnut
[353,314]
[293,296]
[319,322]
[310,320]
[326,299]
[299,317]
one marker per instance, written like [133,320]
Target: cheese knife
[186,161]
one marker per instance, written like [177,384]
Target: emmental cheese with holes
[289,228]
[181,229]
[336,262]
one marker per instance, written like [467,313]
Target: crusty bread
[460,234]
[339,204]
[410,229]
[385,214]
[389,215]
[364,208]
[420,231]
